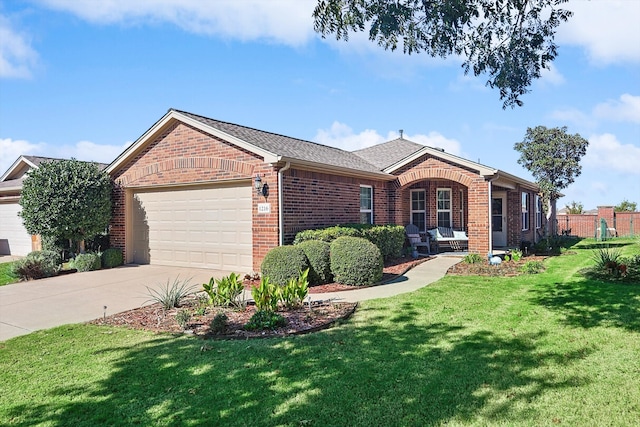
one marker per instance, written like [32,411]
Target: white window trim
[525,210]
[438,210]
[538,212]
[367,210]
[412,211]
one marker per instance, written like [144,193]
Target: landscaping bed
[504,269]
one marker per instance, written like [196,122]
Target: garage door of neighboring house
[14,239]
[194,227]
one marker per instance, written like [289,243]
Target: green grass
[547,349]
[5,274]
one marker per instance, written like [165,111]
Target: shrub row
[388,238]
[349,260]
[41,264]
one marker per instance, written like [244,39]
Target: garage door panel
[209,227]
[14,239]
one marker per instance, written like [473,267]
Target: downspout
[281,204]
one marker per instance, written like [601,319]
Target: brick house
[186,193]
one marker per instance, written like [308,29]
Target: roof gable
[388,153]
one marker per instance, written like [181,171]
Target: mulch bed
[504,269]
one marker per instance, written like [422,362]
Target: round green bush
[37,264]
[111,257]
[283,263]
[87,262]
[317,252]
[356,261]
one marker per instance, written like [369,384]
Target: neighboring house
[14,238]
[186,193]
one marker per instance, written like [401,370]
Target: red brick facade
[588,225]
[181,155]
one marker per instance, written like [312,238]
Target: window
[462,224]
[538,211]
[525,211]
[419,209]
[366,204]
[444,207]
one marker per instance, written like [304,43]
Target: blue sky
[83,79]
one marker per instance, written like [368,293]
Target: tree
[66,199]
[553,158]
[626,206]
[510,40]
[574,207]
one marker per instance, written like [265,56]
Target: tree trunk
[553,221]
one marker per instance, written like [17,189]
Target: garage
[14,239]
[208,227]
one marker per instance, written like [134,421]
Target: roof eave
[14,166]
[482,169]
[323,167]
[172,115]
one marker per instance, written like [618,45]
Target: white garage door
[202,227]
[14,239]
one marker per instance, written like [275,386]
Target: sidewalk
[29,306]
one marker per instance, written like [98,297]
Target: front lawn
[5,274]
[548,349]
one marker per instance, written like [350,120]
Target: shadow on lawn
[381,369]
[589,303]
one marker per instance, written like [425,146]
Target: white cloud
[551,76]
[342,136]
[607,154]
[626,109]
[11,149]
[284,21]
[608,30]
[17,58]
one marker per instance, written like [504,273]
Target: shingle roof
[288,147]
[389,153]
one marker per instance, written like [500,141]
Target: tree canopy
[574,207]
[66,199]
[626,206]
[553,158]
[510,40]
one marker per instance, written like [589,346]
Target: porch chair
[413,233]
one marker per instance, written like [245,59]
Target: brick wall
[315,199]
[588,225]
[182,155]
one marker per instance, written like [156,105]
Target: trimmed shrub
[283,263]
[37,265]
[112,257]
[356,261]
[388,238]
[86,262]
[317,253]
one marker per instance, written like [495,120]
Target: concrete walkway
[29,306]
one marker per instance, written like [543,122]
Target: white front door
[498,219]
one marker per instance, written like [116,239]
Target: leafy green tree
[553,158]
[510,40]
[66,199]
[626,206]
[574,207]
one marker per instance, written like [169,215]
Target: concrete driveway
[41,304]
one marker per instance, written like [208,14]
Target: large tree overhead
[66,199]
[510,40]
[553,158]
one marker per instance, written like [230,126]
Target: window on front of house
[538,211]
[525,211]
[419,209]
[366,204]
[444,207]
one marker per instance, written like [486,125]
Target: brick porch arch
[478,221]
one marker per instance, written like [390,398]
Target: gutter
[281,204]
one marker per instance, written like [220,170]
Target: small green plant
[265,320]
[226,291]
[507,258]
[472,259]
[183,317]
[219,324]
[171,294]
[516,255]
[86,262]
[265,295]
[532,267]
[111,257]
[203,303]
[37,265]
[606,258]
[295,291]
